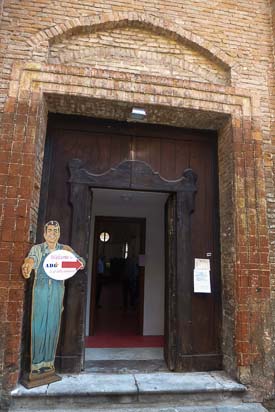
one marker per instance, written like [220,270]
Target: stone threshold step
[131,384]
[242,407]
[125,366]
[131,390]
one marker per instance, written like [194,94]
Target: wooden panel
[140,149]
[184,276]
[119,149]
[170,337]
[206,307]
[132,175]
[200,155]
[182,157]
[142,275]
[168,159]
[73,332]
[154,150]
[201,362]
[97,151]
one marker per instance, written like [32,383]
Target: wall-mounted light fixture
[138,114]
[104,237]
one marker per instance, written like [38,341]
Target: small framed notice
[202,282]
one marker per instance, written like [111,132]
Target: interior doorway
[121,313]
[116,306]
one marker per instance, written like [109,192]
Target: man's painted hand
[27,267]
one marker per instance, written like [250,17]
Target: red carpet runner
[132,341]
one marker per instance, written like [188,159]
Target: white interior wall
[149,206]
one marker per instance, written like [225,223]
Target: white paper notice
[202,264]
[202,276]
[202,281]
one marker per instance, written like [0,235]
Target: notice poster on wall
[202,282]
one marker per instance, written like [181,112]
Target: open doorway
[116,307]
[123,312]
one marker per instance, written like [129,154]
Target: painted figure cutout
[47,306]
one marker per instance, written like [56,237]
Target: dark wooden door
[102,145]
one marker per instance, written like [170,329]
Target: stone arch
[41,41]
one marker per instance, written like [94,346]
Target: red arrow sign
[72,265]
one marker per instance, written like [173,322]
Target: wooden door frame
[142,223]
[137,175]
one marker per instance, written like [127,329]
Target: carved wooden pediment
[132,175]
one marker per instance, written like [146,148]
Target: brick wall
[270,195]
[193,64]
[136,50]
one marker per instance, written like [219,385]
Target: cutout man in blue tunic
[47,306]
